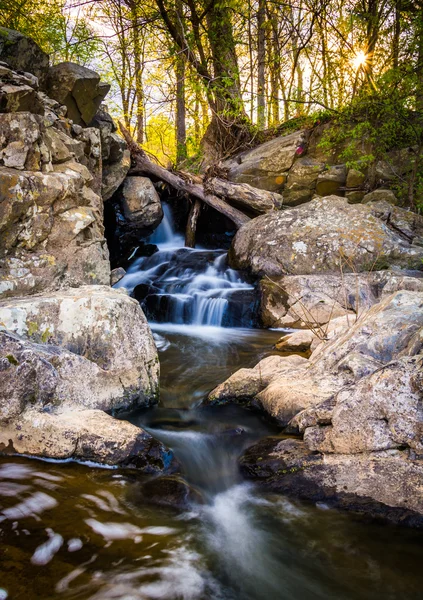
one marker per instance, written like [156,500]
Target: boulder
[245,384]
[302,180]
[380,412]
[114,174]
[314,301]
[329,235]
[78,88]
[385,484]
[299,342]
[110,360]
[266,167]
[86,435]
[51,213]
[169,491]
[141,203]
[331,180]
[355,178]
[22,53]
[116,157]
[381,195]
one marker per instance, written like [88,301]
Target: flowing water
[74,531]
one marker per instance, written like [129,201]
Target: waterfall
[188,286]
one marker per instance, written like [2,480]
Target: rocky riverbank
[340,263]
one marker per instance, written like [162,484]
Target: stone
[87,435]
[60,236]
[327,235]
[20,139]
[169,491]
[141,204]
[381,195]
[313,301]
[331,180]
[116,275]
[102,325]
[22,54]
[380,412]
[296,343]
[78,88]
[389,330]
[302,180]
[355,178]
[385,484]
[19,98]
[266,167]
[245,384]
[114,174]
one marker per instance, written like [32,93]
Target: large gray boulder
[266,167]
[22,54]
[78,88]
[64,359]
[314,301]
[329,235]
[106,328]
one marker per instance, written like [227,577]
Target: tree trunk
[244,196]
[181,132]
[191,229]
[261,65]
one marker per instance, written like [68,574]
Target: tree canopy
[193,77]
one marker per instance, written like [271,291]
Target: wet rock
[169,492]
[87,435]
[267,166]
[382,484]
[78,88]
[22,53]
[106,336]
[327,233]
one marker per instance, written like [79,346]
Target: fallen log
[244,195]
[142,165]
[194,213]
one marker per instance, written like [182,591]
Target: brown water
[71,531]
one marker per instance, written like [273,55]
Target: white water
[187,286]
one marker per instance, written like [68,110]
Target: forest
[195,81]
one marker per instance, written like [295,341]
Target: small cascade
[189,286]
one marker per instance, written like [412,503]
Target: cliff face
[69,350]
[51,206]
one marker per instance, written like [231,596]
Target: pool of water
[74,531]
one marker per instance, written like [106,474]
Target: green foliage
[60,33]
[377,124]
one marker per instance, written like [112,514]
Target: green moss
[32,327]
[12,359]
[45,336]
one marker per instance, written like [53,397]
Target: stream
[78,531]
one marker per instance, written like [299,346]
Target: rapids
[77,531]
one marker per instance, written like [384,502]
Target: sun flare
[359,59]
